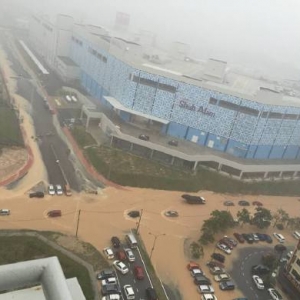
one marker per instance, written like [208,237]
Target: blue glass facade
[227,123]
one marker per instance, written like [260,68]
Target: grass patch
[22,248]
[130,170]
[82,137]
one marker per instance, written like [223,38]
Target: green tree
[207,237]
[270,260]
[262,218]
[243,216]
[280,216]
[196,250]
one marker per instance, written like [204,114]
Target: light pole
[154,242]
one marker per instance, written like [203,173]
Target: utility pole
[78,218]
[154,242]
[139,222]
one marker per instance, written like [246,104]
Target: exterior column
[195,165]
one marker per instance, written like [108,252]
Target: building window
[275,115]
[296,275]
[298,262]
[290,117]
[213,101]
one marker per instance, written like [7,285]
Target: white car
[112,297]
[51,189]
[129,292]
[110,280]
[196,271]
[258,282]
[274,294]
[224,248]
[221,277]
[279,237]
[59,190]
[208,297]
[4,212]
[129,254]
[108,253]
[205,289]
[120,266]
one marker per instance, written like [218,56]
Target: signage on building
[192,107]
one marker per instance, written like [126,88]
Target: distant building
[43,279]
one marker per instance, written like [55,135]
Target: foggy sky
[256,33]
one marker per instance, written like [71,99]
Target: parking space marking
[57,102]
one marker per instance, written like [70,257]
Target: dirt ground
[105,215]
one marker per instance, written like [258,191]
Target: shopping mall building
[230,115]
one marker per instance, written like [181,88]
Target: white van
[296,235]
[68,98]
[279,237]
[4,212]
[131,240]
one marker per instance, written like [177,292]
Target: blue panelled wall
[207,117]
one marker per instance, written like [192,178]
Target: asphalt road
[54,151]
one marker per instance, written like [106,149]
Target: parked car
[226,285]
[216,270]
[192,265]
[110,289]
[115,242]
[196,271]
[239,237]
[255,237]
[202,280]
[248,238]
[173,143]
[230,240]
[171,213]
[134,214]
[37,195]
[120,266]
[224,248]
[151,294]
[129,254]
[260,270]
[121,255]
[274,294]
[129,292]
[214,263]
[257,203]
[58,189]
[227,243]
[208,297]
[219,257]
[261,236]
[243,203]
[109,254]
[205,289]
[112,297]
[144,137]
[279,237]
[228,203]
[190,199]
[54,213]
[258,282]
[221,277]
[107,273]
[51,189]
[268,239]
[138,272]
[67,190]
[109,280]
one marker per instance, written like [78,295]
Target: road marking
[57,102]
[243,274]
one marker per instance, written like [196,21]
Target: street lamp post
[154,242]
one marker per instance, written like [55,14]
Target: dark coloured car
[110,289]
[173,143]
[244,203]
[227,243]
[219,257]
[227,285]
[257,203]
[37,195]
[134,214]
[239,237]
[260,270]
[261,236]
[115,242]
[144,137]
[228,203]
[268,239]
[54,213]
[190,199]
[213,263]
[248,238]
[107,273]
[201,279]
[121,255]
[151,294]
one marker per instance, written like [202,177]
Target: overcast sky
[257,33]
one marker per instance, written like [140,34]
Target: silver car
[129,254]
